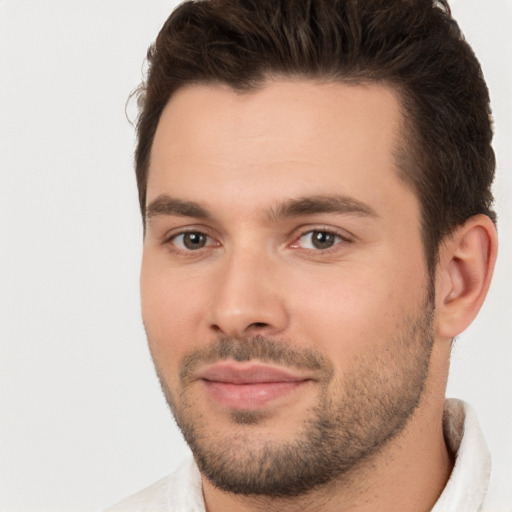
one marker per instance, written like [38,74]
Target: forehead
[288,138]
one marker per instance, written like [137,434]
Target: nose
[247,299]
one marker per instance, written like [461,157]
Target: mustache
[259,348]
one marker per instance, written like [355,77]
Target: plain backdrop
[83,421]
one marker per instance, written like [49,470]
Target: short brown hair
[415,46]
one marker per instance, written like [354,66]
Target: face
[284,288]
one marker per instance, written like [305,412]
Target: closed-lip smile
[249,385]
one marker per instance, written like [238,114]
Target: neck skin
[409,473]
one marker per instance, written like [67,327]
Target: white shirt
[467,489]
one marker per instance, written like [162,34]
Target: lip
[249,385]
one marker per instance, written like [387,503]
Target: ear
[466,264]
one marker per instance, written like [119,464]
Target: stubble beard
[372,406]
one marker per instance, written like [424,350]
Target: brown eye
[191,241]
[320,240]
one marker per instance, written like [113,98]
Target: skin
[241,157]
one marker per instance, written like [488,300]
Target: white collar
[467,486]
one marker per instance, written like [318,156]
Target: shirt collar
[467,485]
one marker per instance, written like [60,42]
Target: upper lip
[232,372]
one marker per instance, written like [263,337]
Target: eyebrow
[310,205]
[166,205]
[321,204]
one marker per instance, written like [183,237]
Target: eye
[192,241]
[319,240]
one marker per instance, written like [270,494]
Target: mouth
[249,385]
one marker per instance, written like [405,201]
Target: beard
[354,415]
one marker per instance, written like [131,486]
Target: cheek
[170,311]
[354,311]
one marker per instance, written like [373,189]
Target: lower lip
[250,396]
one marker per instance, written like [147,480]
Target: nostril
[258,324]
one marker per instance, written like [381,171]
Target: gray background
[83,422]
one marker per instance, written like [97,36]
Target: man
[314,179]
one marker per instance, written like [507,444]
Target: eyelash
[339,239]
[171,240]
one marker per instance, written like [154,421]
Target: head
[312,178]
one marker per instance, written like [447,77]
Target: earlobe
[465,270]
